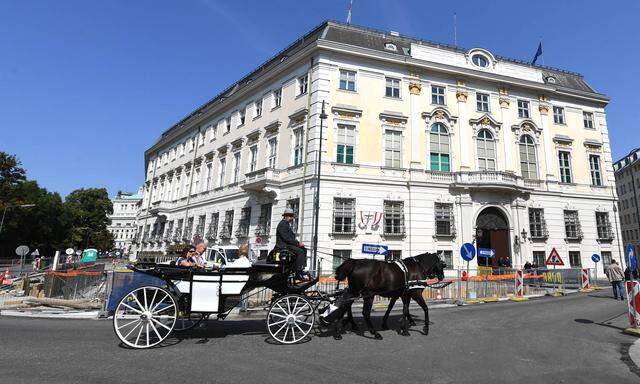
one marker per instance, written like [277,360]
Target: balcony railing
[261,179]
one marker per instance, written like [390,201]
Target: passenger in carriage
[286,239]
[187,260]
[199,257]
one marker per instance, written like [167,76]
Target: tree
[11,174]
[87,210]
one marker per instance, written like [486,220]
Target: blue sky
[87,86]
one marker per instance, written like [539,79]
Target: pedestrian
[527,266]
[615,277]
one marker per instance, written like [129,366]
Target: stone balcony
[160,207]
[492,180]
[262,180]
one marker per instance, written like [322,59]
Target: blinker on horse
[367,278]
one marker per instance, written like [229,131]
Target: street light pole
[316,208]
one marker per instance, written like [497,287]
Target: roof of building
[369,38]
[129,195]
[629,159]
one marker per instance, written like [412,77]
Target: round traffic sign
[595,257]
[69,251]
[117,253]
[22,250]
[467,251]
[78,252]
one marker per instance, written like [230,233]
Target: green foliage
[88,210]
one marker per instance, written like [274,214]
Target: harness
[408,284]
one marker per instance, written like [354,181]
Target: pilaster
[509,163]
[463,123]
[549,151]
[415,88]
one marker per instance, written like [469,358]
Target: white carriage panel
[233,284]
[182,286]
[205,295]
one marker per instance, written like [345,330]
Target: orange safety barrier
[73,273]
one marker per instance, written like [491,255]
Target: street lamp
[13,206]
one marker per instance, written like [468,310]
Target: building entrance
[492,231]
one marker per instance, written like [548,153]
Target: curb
[634,332]
[51,314]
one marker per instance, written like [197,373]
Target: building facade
[424,147]
[627,173]
[123,220]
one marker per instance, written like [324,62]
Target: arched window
[486,151]
[528,163]
[439,148]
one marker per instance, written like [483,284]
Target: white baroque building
[123,220]
[424,147]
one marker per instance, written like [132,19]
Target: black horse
[367,278]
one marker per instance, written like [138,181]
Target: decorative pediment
[223,150]
[391,117]
[439,115]
[527,126]
[485,122]
[346,111]
[253,136]
[272,127]
[237,143]
[563,140]
[592,145]
[298,116]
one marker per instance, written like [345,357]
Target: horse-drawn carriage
[146,316]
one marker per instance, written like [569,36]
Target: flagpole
[349,13]
[542,54]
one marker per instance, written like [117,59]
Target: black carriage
[148,315]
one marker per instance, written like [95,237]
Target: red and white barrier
[585,284]
[519,283]
[633,295]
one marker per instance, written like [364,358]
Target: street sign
[78,252]
[630,251]
[117,253]
[89,255]
[35,253]
[554,258]
[22,250]
[467,251]
[595,257]
[374,249]
[631,257]
[69,251]
[486,252]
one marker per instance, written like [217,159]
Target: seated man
[242,261]
[286,239]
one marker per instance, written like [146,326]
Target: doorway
[492,232]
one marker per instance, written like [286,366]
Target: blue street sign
[595,257]
[486,252]
[467,251]
[375,249]
[631,257]
[633,263]
[630,251]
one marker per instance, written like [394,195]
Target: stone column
[415,123]
[549,152]
[509,163]
[463,124]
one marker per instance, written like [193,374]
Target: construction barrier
[633,295]
[584,277]
[519,281]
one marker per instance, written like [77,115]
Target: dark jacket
[285,235]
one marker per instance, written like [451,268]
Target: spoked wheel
[185,322]
[290,319]
[145,317]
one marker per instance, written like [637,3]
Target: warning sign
[554,258]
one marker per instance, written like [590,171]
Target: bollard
[633,298]
[519,286]
[585,284]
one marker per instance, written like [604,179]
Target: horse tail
[345,269]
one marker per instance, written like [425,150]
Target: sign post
[596,258]
[22,251]
[554,259]
[467,252]
[632,263]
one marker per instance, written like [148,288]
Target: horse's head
[432,265]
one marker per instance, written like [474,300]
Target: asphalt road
[573,339]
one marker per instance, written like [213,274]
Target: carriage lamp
[523,234]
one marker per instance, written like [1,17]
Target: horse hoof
[377,336]
[404,332]
[412,323]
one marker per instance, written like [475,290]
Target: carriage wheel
[185,322]
[144,317]
[290,319]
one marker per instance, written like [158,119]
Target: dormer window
[480,60]
[390,47]
[551,80]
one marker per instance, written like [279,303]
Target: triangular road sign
[554,258]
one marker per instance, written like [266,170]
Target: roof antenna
[349,13]
[455,29]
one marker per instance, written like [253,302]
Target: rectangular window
[236,167]
[444,219]
[482,102]
[294,205]
[340,256]
[176,192]
[539,259]
[212,230]
[209,176]
[447,256]
[196,182]
[243,224]
[437,95]
[243,115]
[393,148]
[523,109]
[303,84]
[558,115]
[188,231]
[345,139]
[574,259]
[587,118]
[347,80]
[392,88]
[223,165]
[227,225]
[200,226]
[572,225]
[605,232]
[393,218]
[297,146]
[393,255]
[258,108]
[344,215]
[187,184]
[254,158]
[277,98]
[537,224]
[264,221]
[564,159]
[273,151]
[227,124]
[594,167]
[606,258]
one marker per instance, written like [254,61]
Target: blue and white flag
[538,54]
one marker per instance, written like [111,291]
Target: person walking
[615,276]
